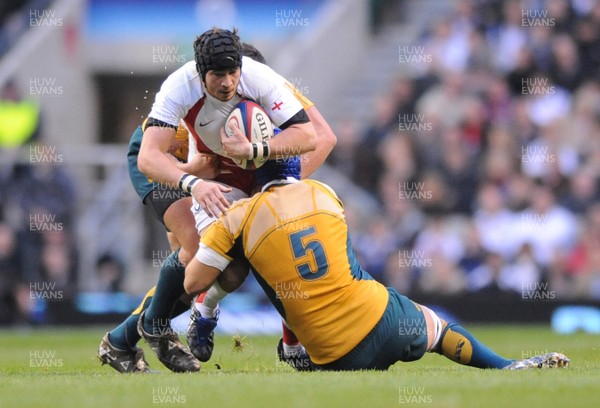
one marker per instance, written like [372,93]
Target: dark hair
[250,51]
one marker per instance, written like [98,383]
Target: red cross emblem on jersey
[277,105]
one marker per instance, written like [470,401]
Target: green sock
[125,336]
[168,291]
[179,308]
[462,347]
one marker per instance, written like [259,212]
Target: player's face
[222,84]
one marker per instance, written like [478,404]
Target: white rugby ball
[255,124]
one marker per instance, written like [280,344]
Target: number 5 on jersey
[302,246]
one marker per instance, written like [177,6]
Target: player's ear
[203,82]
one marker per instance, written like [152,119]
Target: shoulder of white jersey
[178,93]
[265,86]
[262,69]
[257,77]
[253,66]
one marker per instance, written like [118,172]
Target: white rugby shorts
[202,219]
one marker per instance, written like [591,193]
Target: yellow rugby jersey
[181,147]
[296,241]
[306,103]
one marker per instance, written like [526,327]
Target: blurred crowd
[485,155]
[38,254]
[15,19]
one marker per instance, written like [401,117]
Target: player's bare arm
[296,139]
[199,277]
[203,165]
[153,158]
[154,162]
[326,140]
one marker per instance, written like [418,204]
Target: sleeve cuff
[210,257]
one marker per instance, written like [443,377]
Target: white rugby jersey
[182,97]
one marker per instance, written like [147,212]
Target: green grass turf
[58,368]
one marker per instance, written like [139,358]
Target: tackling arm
[154,162]
[294,140]
[199,277]
[203,165]
[326,140]
[153,159]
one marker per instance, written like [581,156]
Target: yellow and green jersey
[142,184]
[295,239]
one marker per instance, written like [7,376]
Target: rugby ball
[254,123]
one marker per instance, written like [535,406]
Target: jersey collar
[287,180]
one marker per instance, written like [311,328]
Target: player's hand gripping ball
[255,124]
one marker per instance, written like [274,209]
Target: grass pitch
[58,368]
